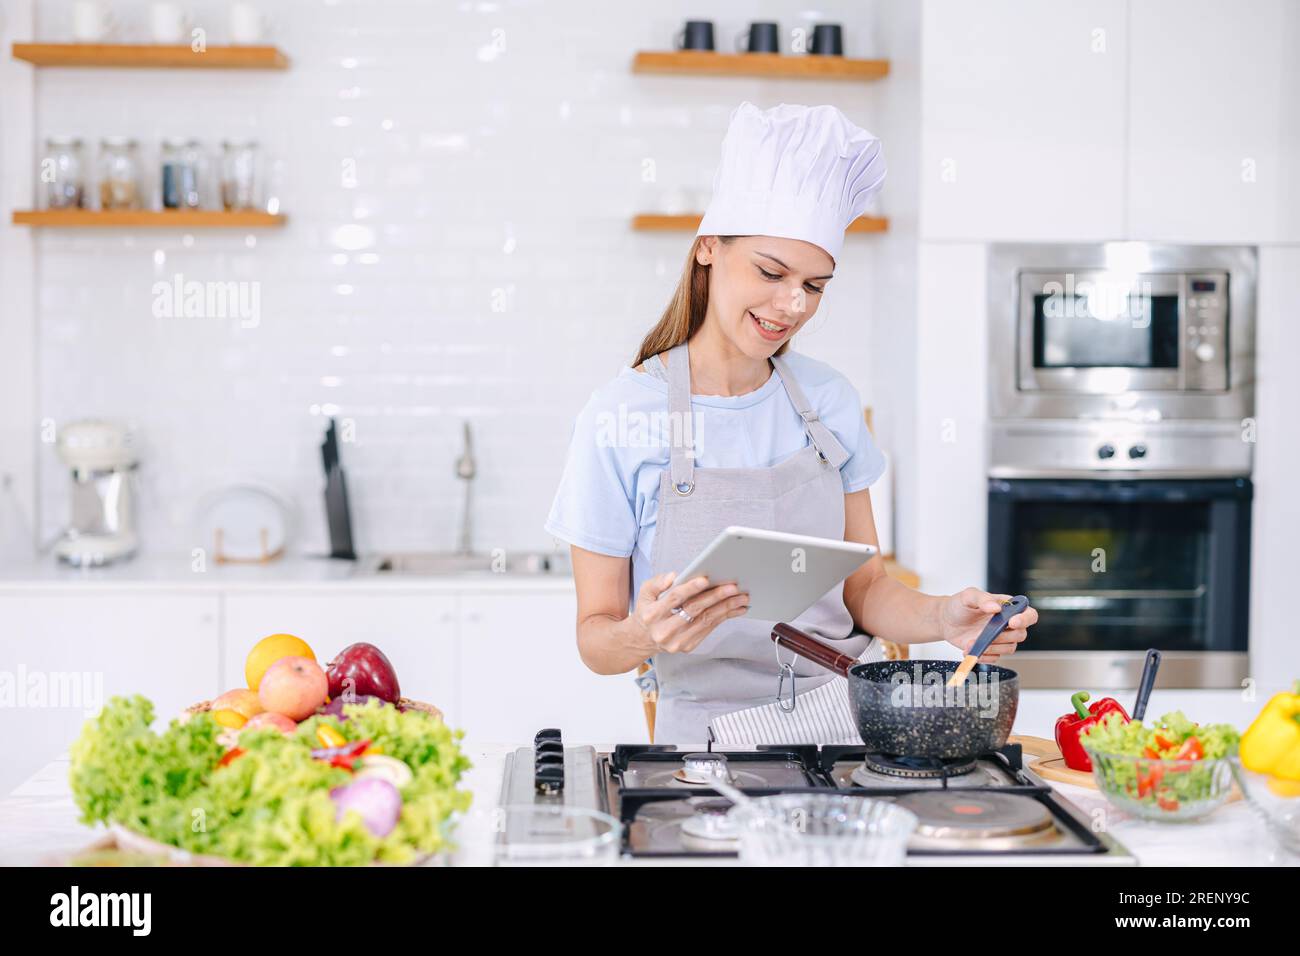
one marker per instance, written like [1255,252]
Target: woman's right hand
[656,629]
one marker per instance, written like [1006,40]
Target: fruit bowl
[1276,802]
[1162,789]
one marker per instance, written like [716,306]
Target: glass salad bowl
[1168,789]
[1276,801]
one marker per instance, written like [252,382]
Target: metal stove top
[974,811]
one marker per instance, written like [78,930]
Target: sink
[442,564]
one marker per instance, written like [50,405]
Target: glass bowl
[822,829]
[1277,802]
[1156,789]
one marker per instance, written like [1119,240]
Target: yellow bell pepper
[329,737]
[1271,744]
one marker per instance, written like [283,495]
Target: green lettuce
[271,805]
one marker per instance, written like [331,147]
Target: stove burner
[912,768]
[710,822]
[699,769]
[996,820]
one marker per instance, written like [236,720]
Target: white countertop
[38,823]
[155,572]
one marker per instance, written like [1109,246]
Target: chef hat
[796,172]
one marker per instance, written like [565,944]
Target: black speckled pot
[904,708]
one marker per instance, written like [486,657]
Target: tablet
[785,574]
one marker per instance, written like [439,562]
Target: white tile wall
[481,176]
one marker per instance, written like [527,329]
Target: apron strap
[682,455]
[822,438]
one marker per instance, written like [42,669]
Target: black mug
[696,35]
[760,38]
[827,40]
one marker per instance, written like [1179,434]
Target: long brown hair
[685,312]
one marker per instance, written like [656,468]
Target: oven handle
[1120,490]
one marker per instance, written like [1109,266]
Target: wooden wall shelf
[792,66]
[147,218]
[151,56]
[653,222]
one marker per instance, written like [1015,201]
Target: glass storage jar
[63,173]
[239,174]
[119,173]
[181,161]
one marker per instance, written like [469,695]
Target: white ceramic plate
[243,513]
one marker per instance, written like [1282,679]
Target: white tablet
[785,574]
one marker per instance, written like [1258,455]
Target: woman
[718,423]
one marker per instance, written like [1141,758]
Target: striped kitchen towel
[822,715]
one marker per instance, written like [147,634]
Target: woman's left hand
[964,614]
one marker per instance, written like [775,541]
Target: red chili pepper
[230,755]
[1070,726]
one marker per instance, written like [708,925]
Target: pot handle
[812,649]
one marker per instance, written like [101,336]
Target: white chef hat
[796,172]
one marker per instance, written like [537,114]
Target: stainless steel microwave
[1122,330]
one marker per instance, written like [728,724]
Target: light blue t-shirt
[608,497]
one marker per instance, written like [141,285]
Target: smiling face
[762,290]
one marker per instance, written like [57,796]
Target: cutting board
[1044,758]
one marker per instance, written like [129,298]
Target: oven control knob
[1205,352]
[1138,451]
[1106,451]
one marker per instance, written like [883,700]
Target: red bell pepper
[1071,726]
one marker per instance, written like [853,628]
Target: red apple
[362,669]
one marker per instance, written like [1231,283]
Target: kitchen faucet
[465,470]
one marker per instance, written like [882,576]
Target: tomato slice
[1191,750]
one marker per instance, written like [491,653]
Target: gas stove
[976,811]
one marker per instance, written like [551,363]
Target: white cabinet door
[1022,113]
[1214,123]
[520,672]
[417,632]
[62,655]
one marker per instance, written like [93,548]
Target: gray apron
[735,667]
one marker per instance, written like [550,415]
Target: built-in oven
[1121,439]
[1118,566]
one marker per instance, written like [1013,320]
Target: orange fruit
[269,650]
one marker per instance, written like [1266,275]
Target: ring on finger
[681,612]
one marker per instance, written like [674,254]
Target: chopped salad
[1168,764]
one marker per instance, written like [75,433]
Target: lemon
[269,650]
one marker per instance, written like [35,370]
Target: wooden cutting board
[1044,758]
